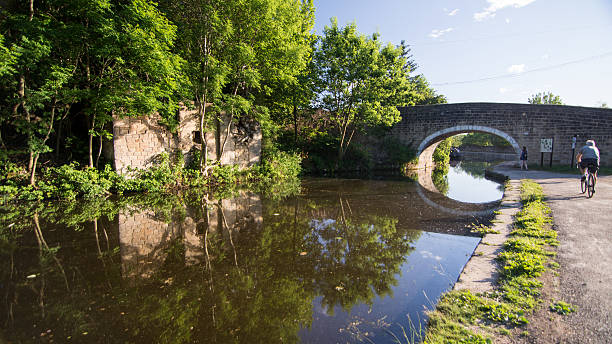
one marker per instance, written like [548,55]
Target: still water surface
[344,261]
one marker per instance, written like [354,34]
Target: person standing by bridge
[588,155]
[524,158]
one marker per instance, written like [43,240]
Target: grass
[463,317]
[482,229]
[563,308]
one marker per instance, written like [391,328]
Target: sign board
[546,145]
[574,142]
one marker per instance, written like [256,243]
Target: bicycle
[588,184]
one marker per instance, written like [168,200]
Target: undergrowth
[277,173]
[524,258]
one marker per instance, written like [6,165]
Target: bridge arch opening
[427,147]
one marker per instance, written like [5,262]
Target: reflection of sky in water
[464,187]
[431,269]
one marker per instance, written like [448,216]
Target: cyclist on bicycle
[588,155]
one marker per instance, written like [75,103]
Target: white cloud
[516,69]
[496,5]
[503,90]
[507,20]
[451,12]
[439,33]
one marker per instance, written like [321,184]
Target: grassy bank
[464,317]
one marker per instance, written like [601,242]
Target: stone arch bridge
[424,127]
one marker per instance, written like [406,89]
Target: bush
[441,155]
[279,166]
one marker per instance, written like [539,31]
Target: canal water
[344,261]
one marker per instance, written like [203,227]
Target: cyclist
[588,155]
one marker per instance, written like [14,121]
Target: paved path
[585,251]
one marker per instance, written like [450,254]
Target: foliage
[104,57]
[482,229]
[531,191]
[441,154]
[397,152]
[545,98]
[563,308]
[360,82]
[278,172]
[483,139]
[239,53]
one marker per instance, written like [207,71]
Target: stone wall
[138,141]
[519,124]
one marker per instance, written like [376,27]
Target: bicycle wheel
[583,185]
[591,185]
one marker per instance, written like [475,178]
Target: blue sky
[519,47]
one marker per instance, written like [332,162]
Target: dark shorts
[589,162]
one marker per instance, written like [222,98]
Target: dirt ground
[584,277]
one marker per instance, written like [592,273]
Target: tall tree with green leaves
[111,57]
[127,66]
[40,89]
[237,51]
[361,83]
[545,98]
[8,58]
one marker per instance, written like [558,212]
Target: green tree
[110,57]
[40,87]
[128,68]
[7,59]
[425,95]
[360,82]
[237,52]
[545,98]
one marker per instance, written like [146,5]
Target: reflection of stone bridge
[426,126]
[432,196]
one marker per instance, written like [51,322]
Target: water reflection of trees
[220,274]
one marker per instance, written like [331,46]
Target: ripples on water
[344,261]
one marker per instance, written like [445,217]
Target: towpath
[585,257]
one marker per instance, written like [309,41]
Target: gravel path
[585,256]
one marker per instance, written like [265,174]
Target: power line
[589,58]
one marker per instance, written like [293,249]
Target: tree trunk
[90,141]
[204,149]
[58,138]
[227,133]
[295,123]
[99,151]
[33,169]
[31,10]
[37,155]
